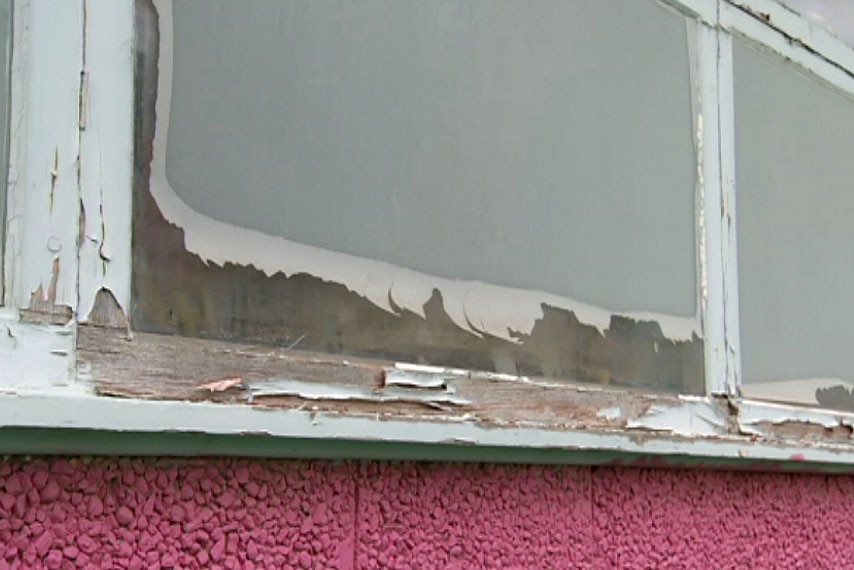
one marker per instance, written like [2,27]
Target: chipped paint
[759,418]
[414,379]
[471,305]
[42,189]
[37,360]
[82,411]
[43,302]
[696,416]
[106,159]
[180,292]
[54,174]
[336,392]
[107,312]
[704,69]
[425,376]
[612,413]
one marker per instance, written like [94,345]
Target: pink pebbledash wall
[240,513]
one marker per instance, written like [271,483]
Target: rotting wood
[162,367]
[153,366]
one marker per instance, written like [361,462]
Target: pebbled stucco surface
[240,513]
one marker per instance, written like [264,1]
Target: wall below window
[159,513]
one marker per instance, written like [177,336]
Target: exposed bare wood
[162,367]
[106,312]
[43,308]
[155,366]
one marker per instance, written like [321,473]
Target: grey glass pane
[5,62]
[795,187]
[490,152]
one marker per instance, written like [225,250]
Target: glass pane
[483,184]
[5,64]
[795,181]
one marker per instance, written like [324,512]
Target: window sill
[605,426]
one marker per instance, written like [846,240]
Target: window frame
[68,239]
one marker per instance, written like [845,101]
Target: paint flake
[282,386]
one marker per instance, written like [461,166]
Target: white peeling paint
[338,392]
[426,369]
[415,379]
[43,197]
[79,411]
[695,416]
[479,308]
[754,415]
[106,154]
[730,351]
[610,413]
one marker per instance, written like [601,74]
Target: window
[525,227]
[454,183]
[794,180]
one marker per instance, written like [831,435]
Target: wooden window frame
[68,356]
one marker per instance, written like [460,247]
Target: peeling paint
[107,312]
[54,174]
[778,421]
[472,306]
[414,379]
[690,416]
[105,139]
[42,187]
[228,282]
[337,392]
[613,413]
[694,426]
[43,304]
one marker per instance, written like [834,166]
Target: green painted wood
[43,441]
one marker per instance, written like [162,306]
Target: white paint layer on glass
[489,156]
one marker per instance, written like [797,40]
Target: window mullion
[726,129]
[106,156]
[713,232]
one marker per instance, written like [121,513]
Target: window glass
[484,184]
[795,189]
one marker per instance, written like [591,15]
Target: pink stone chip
[124,516]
